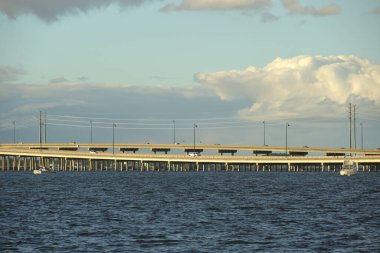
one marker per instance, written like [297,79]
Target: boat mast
[40,130]
[350,118]
[355,126]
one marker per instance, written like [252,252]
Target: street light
[14,132]
[113,138]
[91,130]
[195,126]
[174,131]
[361,127]
[286,138]
[264,131]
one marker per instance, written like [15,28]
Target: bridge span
[182,147]
[27,158]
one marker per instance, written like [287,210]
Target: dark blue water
[189,212]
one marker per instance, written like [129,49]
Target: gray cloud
[58,80]
[164,103]
[10,73]
[267,17]
[52,10]
[376,11]
[219,5]
[294,7]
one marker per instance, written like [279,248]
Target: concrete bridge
[77,157]
[217,147]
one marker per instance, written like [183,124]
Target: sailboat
[349,168]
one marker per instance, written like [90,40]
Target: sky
[226,66]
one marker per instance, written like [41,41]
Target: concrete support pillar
[18,160]
[13,163]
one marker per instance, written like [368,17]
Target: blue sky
[229,62]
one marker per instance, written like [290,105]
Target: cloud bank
[303,86]
[51,10]
[192,5]
[295,8]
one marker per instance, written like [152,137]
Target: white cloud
[303,86]
[191,5]
[294,7]
[51,10]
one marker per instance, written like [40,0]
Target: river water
[189,212]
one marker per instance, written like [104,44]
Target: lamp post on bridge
[14,132]
[286,138]
[113,138]
[91,131]
[361,128]
[264,131]
[174,132]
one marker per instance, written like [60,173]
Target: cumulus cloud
[51,10]
[294,7]
[220,5]
[303,86]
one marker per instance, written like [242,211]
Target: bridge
[221,148]
[86,157]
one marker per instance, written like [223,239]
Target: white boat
[349,168]
[40,170]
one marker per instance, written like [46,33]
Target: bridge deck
[203,146]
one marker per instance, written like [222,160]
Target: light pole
[113,138]
[264,131]
[14,132]
[195,126]
[91,131]
[361,127]
[286,138]
[45,129]
[174,131]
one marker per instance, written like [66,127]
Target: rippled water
[189,212]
